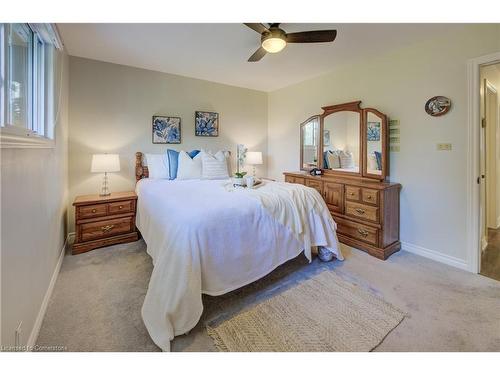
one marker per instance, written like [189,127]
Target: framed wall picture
[166,129]
[206,124]
[326,137]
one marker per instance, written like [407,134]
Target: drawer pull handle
[107,228]
[94,210]
[360,211]
[120,207]
[351,193]
[369,197]
[363,232]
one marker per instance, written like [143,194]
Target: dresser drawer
[359,231]
[318,185]
[115,208]
[295,180]
[106,228]
[369,196]
[362,211]
[87,212]
[352,193]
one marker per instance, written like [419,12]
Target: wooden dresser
[366,211]
[103,221]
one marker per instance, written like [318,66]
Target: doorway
[490,171]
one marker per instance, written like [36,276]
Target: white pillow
[214,167]
[158,166]
[372,162]
[333,159]
[346,160]
[188,168]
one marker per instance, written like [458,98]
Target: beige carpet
[97,300]
[324,313]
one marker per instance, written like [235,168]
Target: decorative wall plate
[438,105]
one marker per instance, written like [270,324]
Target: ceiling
[219,52]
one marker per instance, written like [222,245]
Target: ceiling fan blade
[319,36]
[259,54]
[260,28]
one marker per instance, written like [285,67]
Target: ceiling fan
[273,39]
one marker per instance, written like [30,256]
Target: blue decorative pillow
[378,158]
[173,161]
[325,160]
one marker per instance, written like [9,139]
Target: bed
[204,236]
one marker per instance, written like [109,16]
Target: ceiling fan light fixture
[273,44]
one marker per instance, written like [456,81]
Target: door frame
[473,235]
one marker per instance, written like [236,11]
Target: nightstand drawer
[121,207]
[95,210]
[106,228]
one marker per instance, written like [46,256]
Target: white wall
[433,198]
[34,201]
[111,107]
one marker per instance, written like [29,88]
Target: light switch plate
[444,147]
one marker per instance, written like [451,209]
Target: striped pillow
[214,166]
[346,160]
[333,159]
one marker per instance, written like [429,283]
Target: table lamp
[104,163]
[254,158]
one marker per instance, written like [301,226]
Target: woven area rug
[325,313]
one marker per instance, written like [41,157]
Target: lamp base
[104,188]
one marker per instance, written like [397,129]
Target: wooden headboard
[141,171]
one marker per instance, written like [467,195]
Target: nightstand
[103,221]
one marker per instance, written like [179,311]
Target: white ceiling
[219,52]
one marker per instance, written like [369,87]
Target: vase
[238,181]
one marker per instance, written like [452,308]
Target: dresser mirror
[310,143]
[375,138]
[346,140]
[341,142]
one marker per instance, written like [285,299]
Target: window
[28,98]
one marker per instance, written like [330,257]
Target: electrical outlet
[444,147]
[18,332]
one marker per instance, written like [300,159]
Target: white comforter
[205,239]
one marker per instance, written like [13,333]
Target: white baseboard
[43,308]
[434,255]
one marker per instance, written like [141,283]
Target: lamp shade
[105,163]
[254,158]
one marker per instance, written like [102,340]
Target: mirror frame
[350,107]
[383,137]
[320,145]
[363,116]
